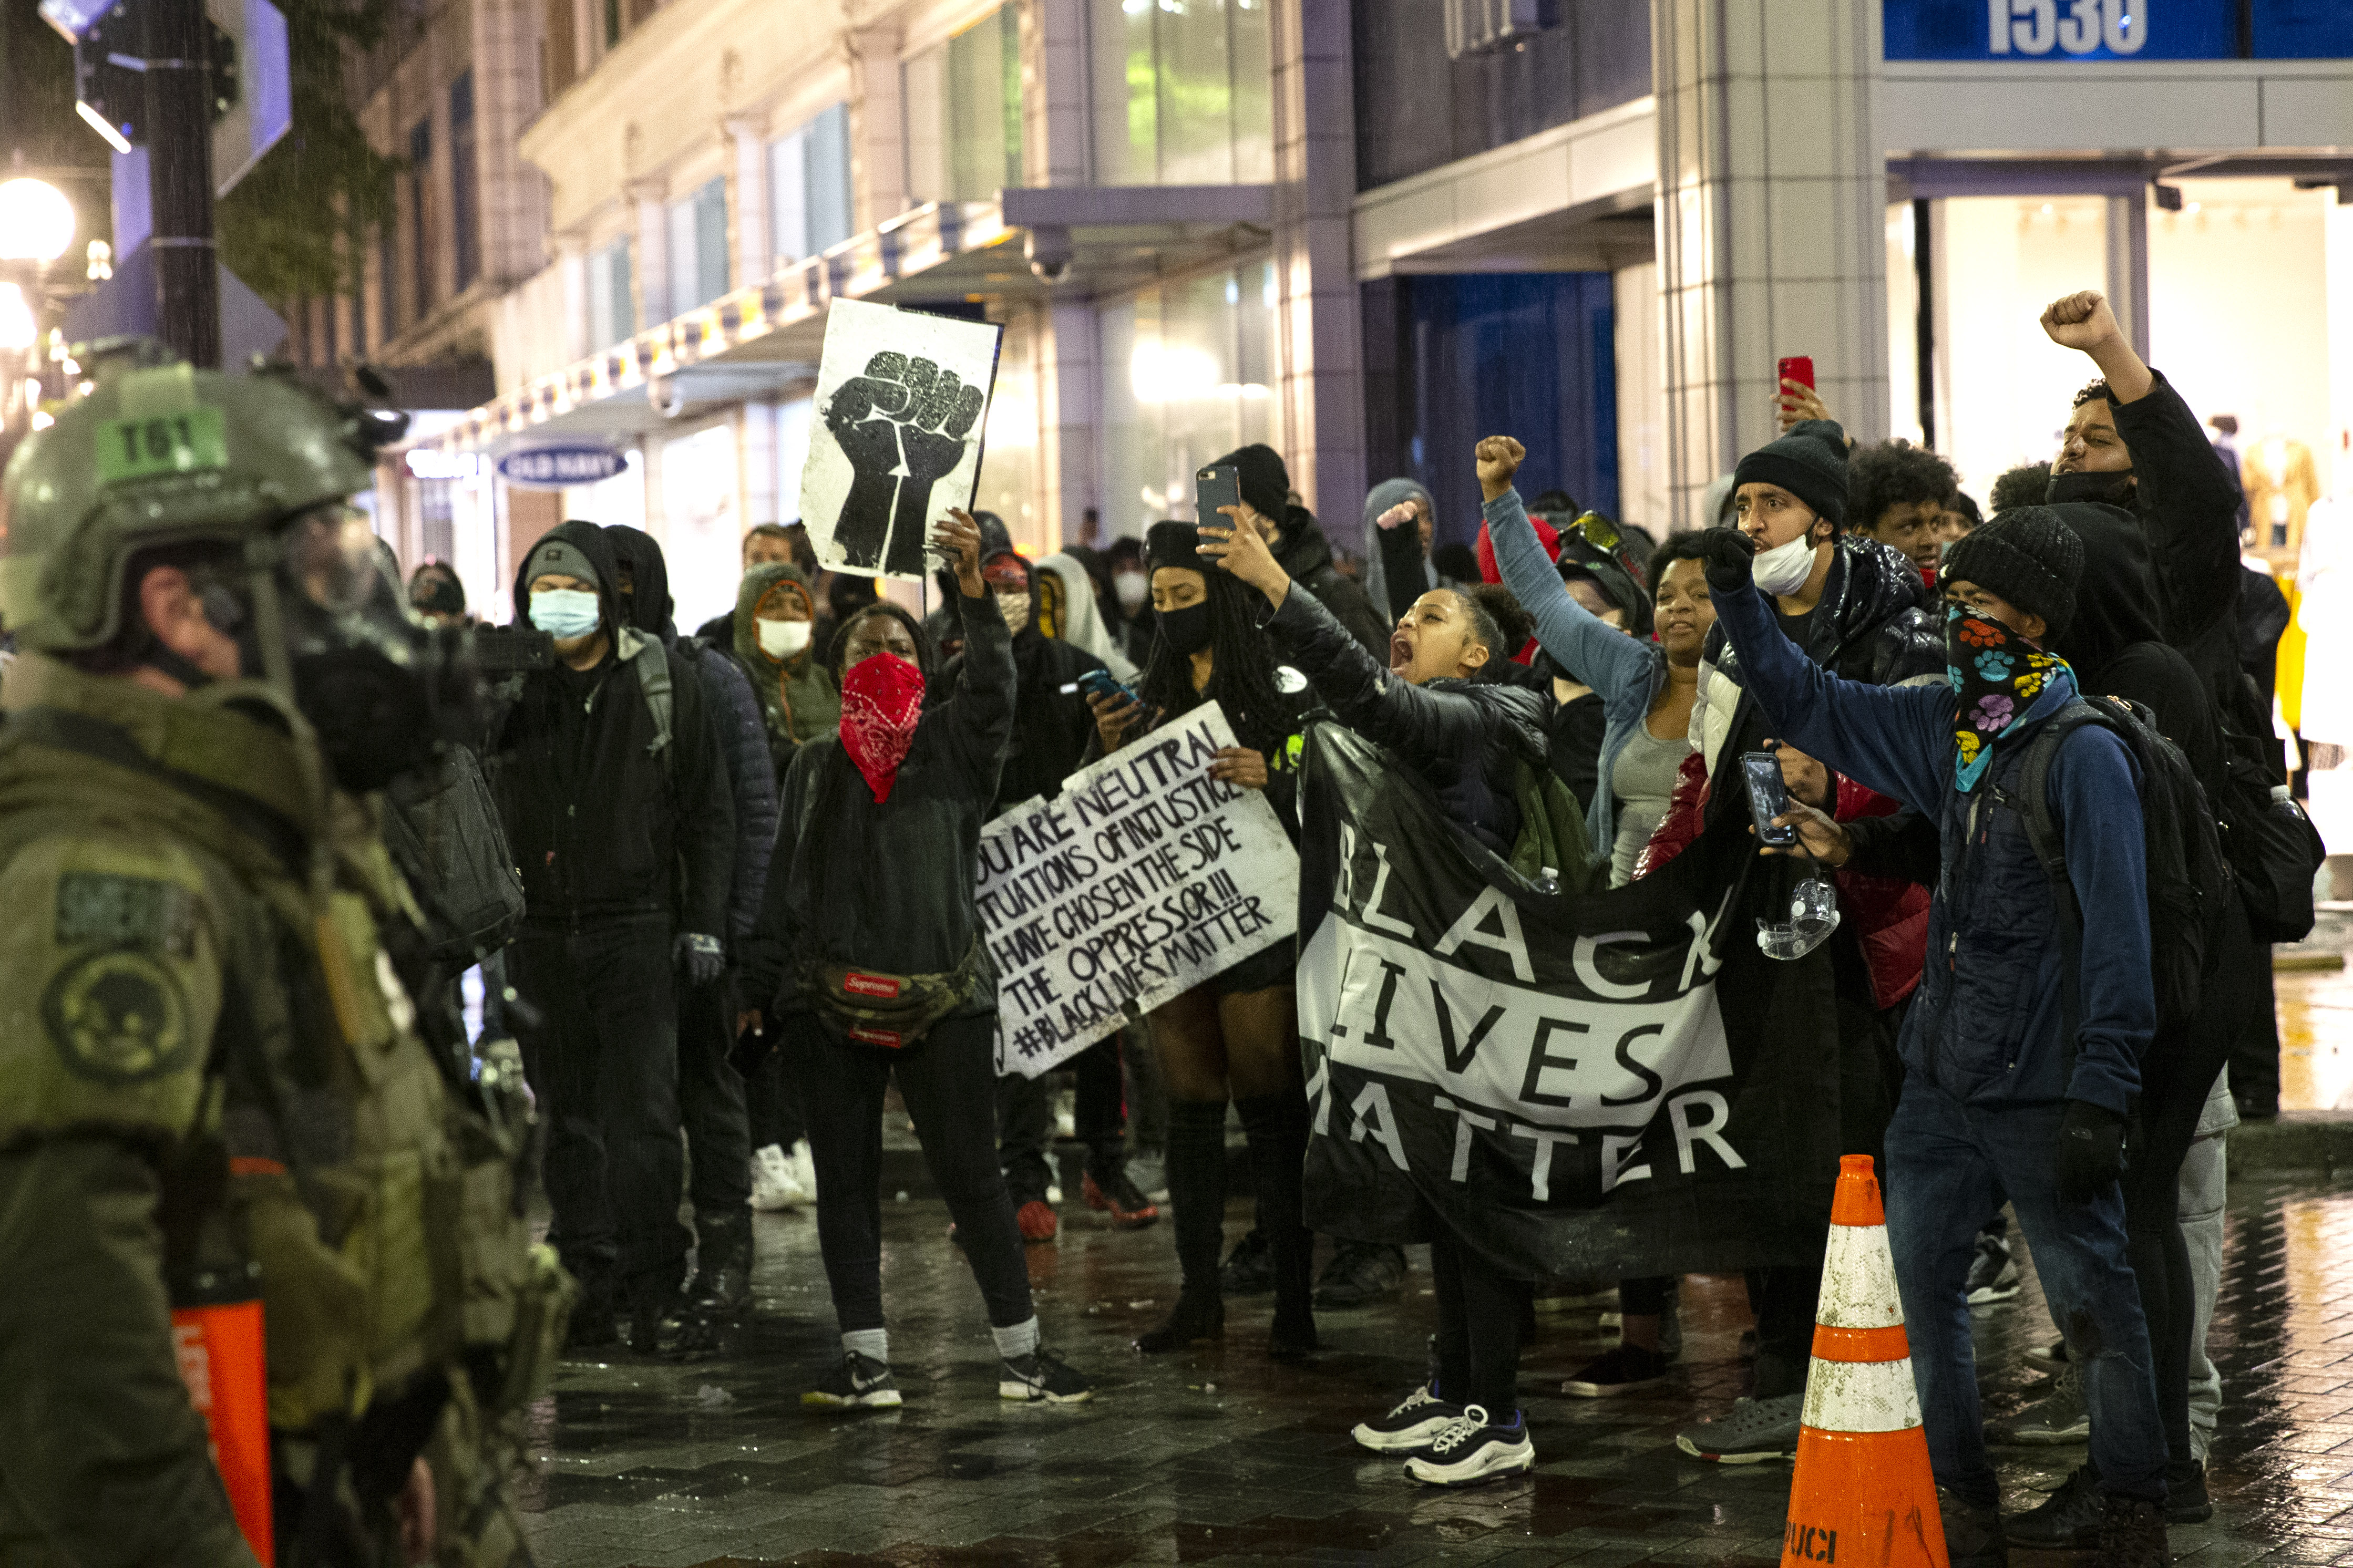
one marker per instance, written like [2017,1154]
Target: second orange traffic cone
[1861,1493]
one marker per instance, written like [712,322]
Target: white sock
[1018,1341]
[872,1343]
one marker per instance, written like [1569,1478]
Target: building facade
[1367,234]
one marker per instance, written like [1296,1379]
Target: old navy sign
[559,467]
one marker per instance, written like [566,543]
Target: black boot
[1277,1125]
[591,1327]
[721,1289]
[1196,1199]
[651,1297]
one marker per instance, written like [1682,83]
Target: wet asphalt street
[1221,1457]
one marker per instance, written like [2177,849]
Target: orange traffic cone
[1861,1493]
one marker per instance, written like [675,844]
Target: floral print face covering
[1996,676]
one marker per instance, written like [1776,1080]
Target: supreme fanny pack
[890,1011]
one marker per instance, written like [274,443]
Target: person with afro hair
[1898,494]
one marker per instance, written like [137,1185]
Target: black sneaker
[2067,1520]
[860,1383]
[1473,1448]
[1410,1424]
[1360,1272]
[1993,1273]
[1042,1377]
[1249,1268]
[2187,1500]
[2048,1358]
[1972,1533]
[2132,1534]
[1620,1371]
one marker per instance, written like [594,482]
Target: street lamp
[36,224]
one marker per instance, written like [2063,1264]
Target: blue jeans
[1949,1167]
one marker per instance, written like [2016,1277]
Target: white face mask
[1133,588]
[1016,607]
[783,639]
[1784,568]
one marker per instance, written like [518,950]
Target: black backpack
[2272,844]
[2188,878]
[443,830]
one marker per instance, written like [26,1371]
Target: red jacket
[1888,915]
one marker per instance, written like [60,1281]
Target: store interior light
[16,329]
[36,222]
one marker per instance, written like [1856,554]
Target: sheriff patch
[118,1017]
[96,909]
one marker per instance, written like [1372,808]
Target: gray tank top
[1642,781]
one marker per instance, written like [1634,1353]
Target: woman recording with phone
[1236,1034]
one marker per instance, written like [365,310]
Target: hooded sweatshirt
[1082,623]
[2117,642]
[1378,499]
[798,700]
[734,713]
[600,825]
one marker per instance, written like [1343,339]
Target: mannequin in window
[2281,485]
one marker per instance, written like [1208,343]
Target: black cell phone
[1103,683]
[1768,798]
[1214,487]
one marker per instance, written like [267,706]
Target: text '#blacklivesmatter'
[1144,877]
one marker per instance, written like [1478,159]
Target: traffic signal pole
[179,177]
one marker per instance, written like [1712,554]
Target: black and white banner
[1610,1085]
[1144,877]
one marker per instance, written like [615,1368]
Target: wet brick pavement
[1220,1457]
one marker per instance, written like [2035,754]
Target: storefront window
[963,113]
[1008,459]
[808,187]
[612,315]
[700,532]
[1188,375]
[1182,92]
[697,247]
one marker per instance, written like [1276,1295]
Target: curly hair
[1498,624]
[2095,387]
[1889,474]
[2024,485]
[1241,671]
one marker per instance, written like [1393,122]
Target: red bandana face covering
[881,698]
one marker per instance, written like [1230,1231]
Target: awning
[767,336]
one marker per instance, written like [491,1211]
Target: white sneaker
[1472,1448]
[804,1165]
[773,1186]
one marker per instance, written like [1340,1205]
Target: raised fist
[904,424]
[2081,321]
[1498,457]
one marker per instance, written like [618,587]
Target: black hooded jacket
[2116,641]
[1305,556]
[734,712]
[1877,622]
[600,825]
[1465,738]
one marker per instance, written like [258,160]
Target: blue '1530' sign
[2114,29]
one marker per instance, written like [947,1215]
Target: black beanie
[1265,482]
[2028,556]
[1809,462]
[1174,544]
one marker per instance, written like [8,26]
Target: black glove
[1728,554]
[702,957]
[2090,1151]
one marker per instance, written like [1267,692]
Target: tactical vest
[171,845]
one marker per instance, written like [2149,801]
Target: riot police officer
[213,1082]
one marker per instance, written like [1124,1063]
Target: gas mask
[379,685]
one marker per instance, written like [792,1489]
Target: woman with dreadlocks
[1236,1034]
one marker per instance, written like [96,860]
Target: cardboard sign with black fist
[902,400]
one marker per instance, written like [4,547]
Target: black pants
[600,1049]
[711,1103]
[2255,1047]
[947,1084]
[1025,1121]
[772,1096]
[2177,1075]
[1479,1313]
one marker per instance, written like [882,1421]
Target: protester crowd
[2020,741]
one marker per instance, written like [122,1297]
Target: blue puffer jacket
[1987,1024]
[744,737]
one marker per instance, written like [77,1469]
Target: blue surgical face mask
[565,613]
